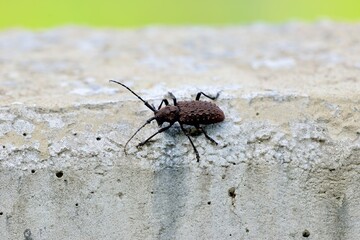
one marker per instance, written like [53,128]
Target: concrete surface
[286,167]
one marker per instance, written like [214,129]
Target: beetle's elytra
[194,113]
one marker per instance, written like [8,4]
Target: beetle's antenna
[147,122]
[145,102]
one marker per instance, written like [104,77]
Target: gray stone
[286,167]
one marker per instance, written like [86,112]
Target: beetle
[194,113]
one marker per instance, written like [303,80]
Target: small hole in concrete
[257,114]
[92,192]
[1,213]
[76,204]
[120,194]
[59,174]
[306,233]
[230,235]
[33,171]
[223,176]
[75,134]
[152,192]
[3,146]
[27,234]
[247,230]
[24,134]
[98,138]
[209,202]
[231,192]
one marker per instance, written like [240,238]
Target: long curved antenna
[147,122]
[145,102]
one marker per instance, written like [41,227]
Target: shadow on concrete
[169,201]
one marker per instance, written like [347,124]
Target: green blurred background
[134,13]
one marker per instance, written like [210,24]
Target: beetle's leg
[207,136]
[147,122]
[172,97]
[192,144]
[211,97]
[160,130]
[163,101]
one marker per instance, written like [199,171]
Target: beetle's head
[168,114]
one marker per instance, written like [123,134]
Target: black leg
[147,122]
[163,101]
[160,130]
[192,144]
[207,136]
[172,97]
[211,97]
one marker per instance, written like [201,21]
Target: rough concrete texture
[286,167]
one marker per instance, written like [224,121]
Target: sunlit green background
[134,13]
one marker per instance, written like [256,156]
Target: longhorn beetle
[194,113]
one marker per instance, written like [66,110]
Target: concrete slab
[287,163]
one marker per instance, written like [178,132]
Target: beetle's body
[194,113]
[199,112]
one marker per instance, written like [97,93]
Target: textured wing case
[199,112]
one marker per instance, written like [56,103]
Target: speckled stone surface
[287,163]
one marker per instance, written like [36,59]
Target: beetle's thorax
[168,114]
